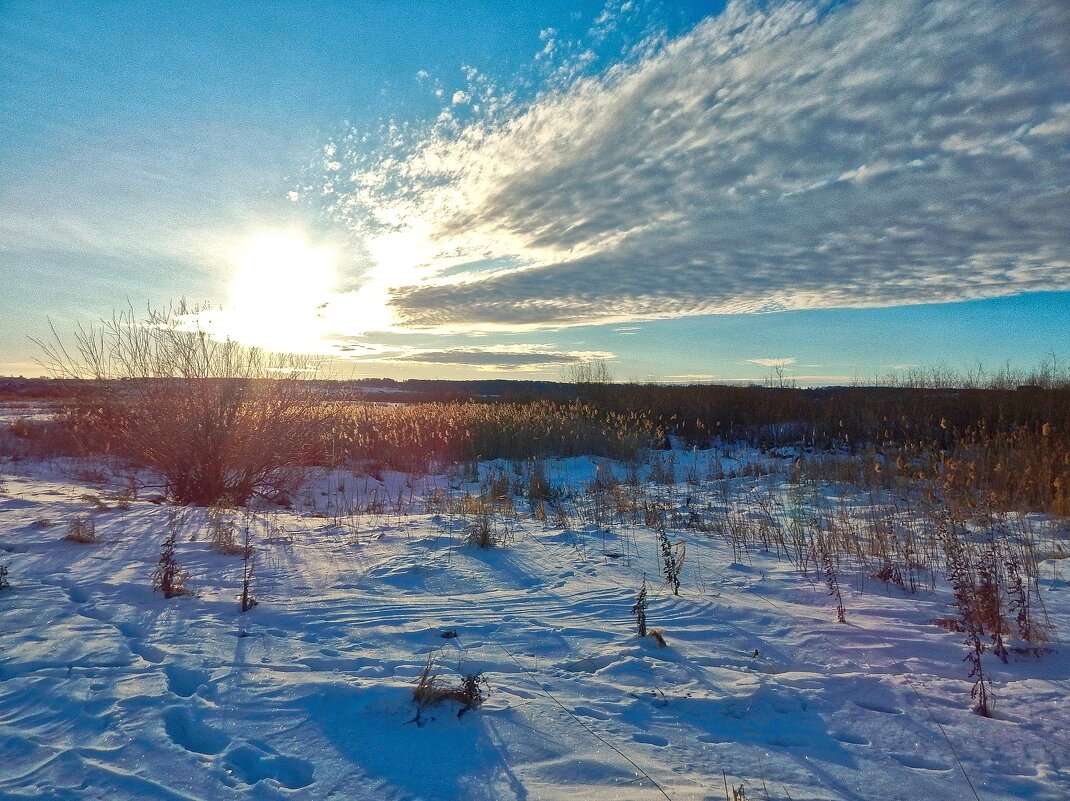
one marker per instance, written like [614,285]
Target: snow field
[108,690]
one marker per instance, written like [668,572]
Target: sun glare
[281,287]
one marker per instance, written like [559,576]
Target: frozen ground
[109,691]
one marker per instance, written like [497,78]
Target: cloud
[772,362]
[503,357]
[784,156]
[694,378]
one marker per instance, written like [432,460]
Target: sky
[689,191]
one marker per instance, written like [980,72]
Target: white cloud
[693,378]
[772,362]
[803,155]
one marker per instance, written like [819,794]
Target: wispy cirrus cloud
[783,156]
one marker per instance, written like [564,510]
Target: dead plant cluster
[168,577]
[469,691]
[81,530]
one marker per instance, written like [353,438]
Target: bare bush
[81,530]
[217,420]
[586,373]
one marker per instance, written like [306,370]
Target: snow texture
[108,690]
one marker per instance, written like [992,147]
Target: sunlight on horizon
[282,285]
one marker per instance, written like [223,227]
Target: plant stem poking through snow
[639,609]
[967,601]
[672,557]
[834,586]
[168,577]
[247,600]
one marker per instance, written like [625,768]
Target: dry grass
[223,532]
[469,691]
[416,437]
[81,530]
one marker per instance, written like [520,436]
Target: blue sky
[496,189]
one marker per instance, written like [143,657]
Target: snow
[109,690]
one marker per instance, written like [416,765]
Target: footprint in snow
[650,739]
[919,762]
[192,734]
[587,712]
[876,706]
[129,630]
[183,681]
[251,765]
[850,739]
[150,653]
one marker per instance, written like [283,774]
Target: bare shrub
[482,529]
[95,501]
[4,583]
[891,574]
[217,420]
[82,530]
[539,487]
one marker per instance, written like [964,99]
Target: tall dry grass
[417,436]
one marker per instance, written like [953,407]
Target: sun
[282,283]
